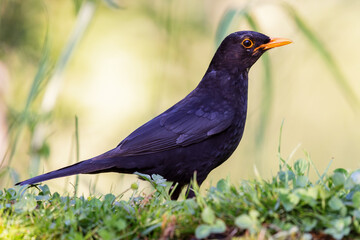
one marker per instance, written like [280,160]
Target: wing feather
[189,121]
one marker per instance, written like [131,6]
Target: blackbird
[198,133]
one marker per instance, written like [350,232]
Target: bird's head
[240,50]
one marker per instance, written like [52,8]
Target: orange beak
[274,42]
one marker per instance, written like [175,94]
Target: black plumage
[198,133]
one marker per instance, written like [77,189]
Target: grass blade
[267,89]
[224,25]
[16,128]
[83,20]
[53,87]
[328,59]
[77,152]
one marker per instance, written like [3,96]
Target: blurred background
[76,77]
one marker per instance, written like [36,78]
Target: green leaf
[218,227]
[120,224]
[151,229]
[26,203]
[356,213]
[245,221]
[355,176]
[144,176]
[301,166]
[288,200]
[309,224]
[335,203]
[308,195]
[208,215]
[109,198]
[223,185]
[356,200]
[286,175]
[338,179]
[106,234]
[159,180]
[353,180]
[202,231]
[254,214]
[342,170]
[339,228]
[301,181]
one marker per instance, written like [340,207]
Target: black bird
[196,134]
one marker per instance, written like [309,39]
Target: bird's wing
[185,123]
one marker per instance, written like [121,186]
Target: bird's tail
[84,167]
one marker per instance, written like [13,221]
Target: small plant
[289,206]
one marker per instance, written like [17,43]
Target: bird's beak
[274,42]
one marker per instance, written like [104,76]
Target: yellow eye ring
[247,43]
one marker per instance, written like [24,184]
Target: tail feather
[84,167]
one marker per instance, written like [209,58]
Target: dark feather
[190,121]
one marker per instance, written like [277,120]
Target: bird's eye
[247,43]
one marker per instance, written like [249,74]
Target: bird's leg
[176,193]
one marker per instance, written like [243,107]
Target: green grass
[30,125]
[289,206]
